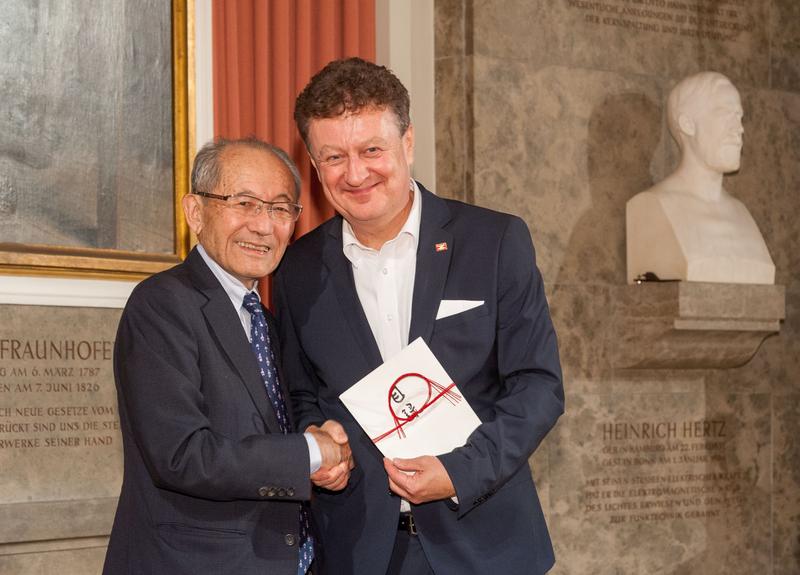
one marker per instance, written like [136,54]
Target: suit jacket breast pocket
[460,319]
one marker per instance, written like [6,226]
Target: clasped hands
[418,480]
[337,459]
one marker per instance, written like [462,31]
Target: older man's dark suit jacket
[502,355]
[210,484]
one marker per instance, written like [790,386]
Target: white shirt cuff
[314,454]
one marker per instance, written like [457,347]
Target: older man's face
[247,247]
[718,140]
[364,165]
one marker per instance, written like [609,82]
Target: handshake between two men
[418,480]
[337,458]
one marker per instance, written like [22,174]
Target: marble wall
[555,111]
[60,443]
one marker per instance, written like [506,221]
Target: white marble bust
[687,227]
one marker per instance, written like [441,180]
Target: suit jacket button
[281,492]
[263,491]
[290,492]
[271,492]
[289,539]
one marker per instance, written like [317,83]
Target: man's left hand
[420,479]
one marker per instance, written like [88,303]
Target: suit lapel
[433,262]
[345,288]
[224,323]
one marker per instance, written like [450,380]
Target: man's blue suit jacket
[210,485]
[503,356]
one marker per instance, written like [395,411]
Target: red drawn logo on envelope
[410,396]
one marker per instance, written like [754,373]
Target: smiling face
[718,138]
[246,247]
[364,165]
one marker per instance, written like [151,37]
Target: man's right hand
[337,459]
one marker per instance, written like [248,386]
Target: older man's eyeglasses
[251,207]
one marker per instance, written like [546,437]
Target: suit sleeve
[531,395]
[303,382]
[164,394]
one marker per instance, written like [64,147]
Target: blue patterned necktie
[262,348]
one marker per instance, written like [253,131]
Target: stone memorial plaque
[669,38]
[721,20]
[664,469]
[655,468]
[59,429]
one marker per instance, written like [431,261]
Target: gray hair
[207,167]
[698,87]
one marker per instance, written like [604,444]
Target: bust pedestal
[694,325]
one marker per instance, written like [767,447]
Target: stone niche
[60,444]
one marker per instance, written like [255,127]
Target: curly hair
[347,87]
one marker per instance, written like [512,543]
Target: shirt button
[385,271]
[289,539]
[388,317]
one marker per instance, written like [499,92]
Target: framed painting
[94,137]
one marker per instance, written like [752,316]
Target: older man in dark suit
[396,264]
[215,476]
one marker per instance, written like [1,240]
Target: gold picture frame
[58,260]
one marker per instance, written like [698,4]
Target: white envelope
[448,307]
[410,407]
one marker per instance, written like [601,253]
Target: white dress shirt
[384,280]
[236,292]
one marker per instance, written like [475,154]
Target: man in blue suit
[395,264]
[215,476]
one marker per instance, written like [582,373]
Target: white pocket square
[448,307]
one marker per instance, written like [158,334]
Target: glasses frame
[264,205]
